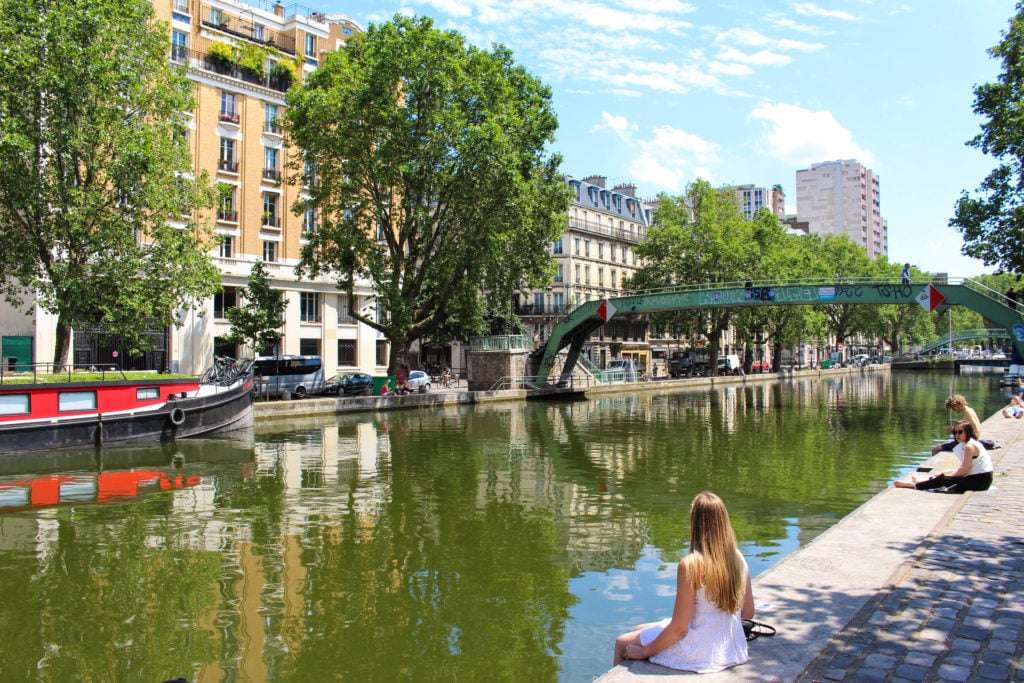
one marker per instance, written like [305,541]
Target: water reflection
[508,541]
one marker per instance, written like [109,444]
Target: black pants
[972,482]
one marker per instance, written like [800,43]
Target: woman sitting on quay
[713,593]
[973,474]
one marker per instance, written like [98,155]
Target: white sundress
[714,640]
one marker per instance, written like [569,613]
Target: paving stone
[993,672]
[915,658]
[870,675]
[880,661]
[1000,645]
[912,673]
[964,645]
[949,672]
[972,633]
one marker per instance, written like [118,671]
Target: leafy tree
[257,324]
[992,223]
[427,161]
[90,162]
[699,237]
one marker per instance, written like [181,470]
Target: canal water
[498,542]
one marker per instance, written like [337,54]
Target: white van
[730,364]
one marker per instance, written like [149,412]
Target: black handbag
[756,629]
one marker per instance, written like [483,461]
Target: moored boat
[37,415]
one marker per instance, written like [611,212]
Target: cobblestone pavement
[957,614]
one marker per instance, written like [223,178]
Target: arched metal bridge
[573,330]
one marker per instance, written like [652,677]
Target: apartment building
[843,198]
[243,57]
[752,198]
[593,258]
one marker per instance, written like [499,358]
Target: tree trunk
[62,348]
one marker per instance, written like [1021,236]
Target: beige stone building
[843,198]
[593,258]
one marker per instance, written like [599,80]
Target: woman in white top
[974,472]
[713,594]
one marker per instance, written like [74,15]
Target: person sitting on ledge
[958,403]
[713,593]
[973,474]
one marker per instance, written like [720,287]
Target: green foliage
[223,53]
[257,323]
[433,177]
[992,222]
[90,155]
[253,58]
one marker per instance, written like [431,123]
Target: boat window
[14,404]
[147,393]
[68,401]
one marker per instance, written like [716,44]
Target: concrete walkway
[912,586]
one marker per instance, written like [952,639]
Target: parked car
[419,380]
[729,364]
[760,366]
[349,384]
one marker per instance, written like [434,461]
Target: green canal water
[505,542]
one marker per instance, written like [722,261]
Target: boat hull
[210,411]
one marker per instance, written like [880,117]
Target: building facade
[593,258]
[752,198]
[843,198]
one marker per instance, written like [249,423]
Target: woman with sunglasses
[974,473]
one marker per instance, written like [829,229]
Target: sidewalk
[911,586]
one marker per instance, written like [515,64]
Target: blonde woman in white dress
[713,595]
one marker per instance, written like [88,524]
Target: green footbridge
[573,330]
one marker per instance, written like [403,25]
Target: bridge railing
[796,282]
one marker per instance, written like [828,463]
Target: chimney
[628,189]
[598,180]
[279,9]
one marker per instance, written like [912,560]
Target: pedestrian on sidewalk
[705,632]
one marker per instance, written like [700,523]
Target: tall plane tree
[426,160]
[992,222]
[95,212]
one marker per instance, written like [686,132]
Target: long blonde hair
[714,562]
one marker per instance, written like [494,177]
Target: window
[147,393]
[259,32]
[382,352]
[600,276]
[586,247]
[612,249]
[217,17]
[600,250]
[560,273]
[310,45]
[309,220]
[229,107]
[227,247]
[309,347]
[269,251]
[271,119]
[71,401]
[586,274]
[270,217]
[227,156]
[344,317]
[556,247]
[15,404]
[346,352]
[223,300]
[614,274]
[270,170]
[577,279]
[558,302]
[179,47]
[309,307]
[538,302]
[577,252]
[226,208]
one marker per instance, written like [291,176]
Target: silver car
[419,381]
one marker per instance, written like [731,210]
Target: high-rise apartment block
[843,198]
[752,198]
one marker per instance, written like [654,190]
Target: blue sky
[660,92]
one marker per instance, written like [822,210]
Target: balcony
[272,127]
[310,226]
[540,309]
[227,166]
[272,174]
[179,54]
[247,29]
[230,117]
[228,216]
[271,221]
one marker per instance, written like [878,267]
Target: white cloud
[759,58]
[798,136]
[619,125]
[809,9]
[671,157]
[731,69]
